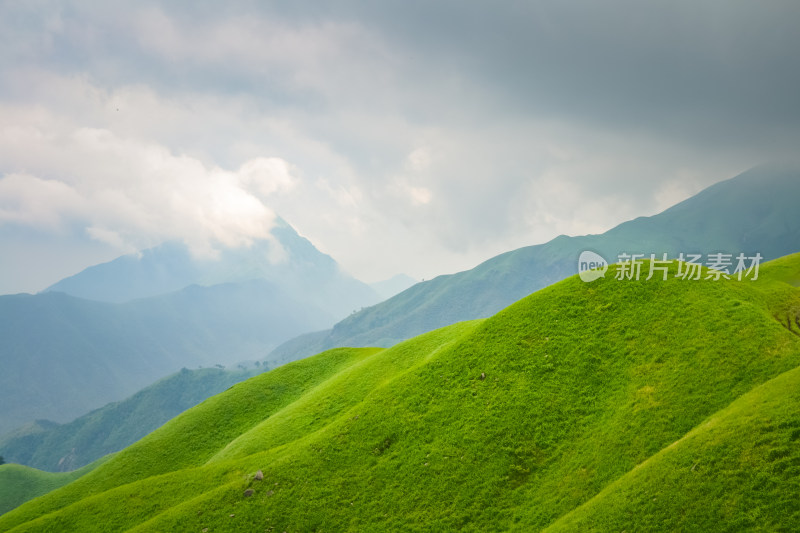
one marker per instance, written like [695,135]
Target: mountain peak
[287,259]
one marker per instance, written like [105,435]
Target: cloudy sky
[410,136]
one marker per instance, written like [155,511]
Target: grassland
[19,483]
[646,406]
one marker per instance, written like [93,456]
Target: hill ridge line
[215,459]
[711,421]
[144,526]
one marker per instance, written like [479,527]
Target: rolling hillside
[663,404]
[64,447]
[19,484]
[747,455]
[753,212]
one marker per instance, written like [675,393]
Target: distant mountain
[63,356]
[60,448]
[103,334]
[287,260]
[394,285]
[660,405]
[757,211]
[160,270]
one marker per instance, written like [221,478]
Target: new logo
[591,266]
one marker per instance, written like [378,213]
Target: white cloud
[412,149]
[131,193]
[267,175]
[32,201]
[109,237]
[419,160]
[420,195]
[347,197]
[330,57]
[674,189]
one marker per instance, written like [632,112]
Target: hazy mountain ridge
[53,447]
[392,286]
[754,212]
[64,355]
[287,259]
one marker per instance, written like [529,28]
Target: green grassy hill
[661,404]
[64,447]
[19,484]
[753,212]
[744,460]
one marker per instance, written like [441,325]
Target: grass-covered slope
[64,447]
[518,422]
[753,212]
[744,460]
[19,483]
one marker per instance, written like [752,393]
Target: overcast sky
[411,136]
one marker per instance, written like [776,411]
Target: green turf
[744,461]
[19,483]
[565,410]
